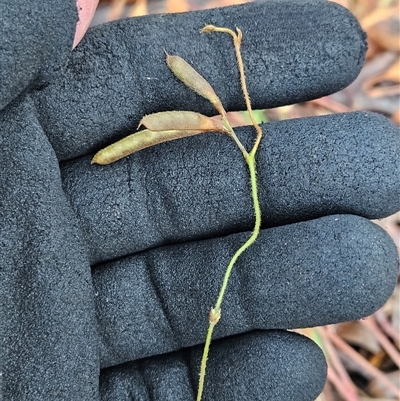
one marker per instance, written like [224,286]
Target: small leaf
[192,79]
[181,120]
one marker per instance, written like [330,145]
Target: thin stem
[204,360]
[216,311]
[252,238]
[237,40]
[231,132]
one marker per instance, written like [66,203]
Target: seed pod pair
[169,125]
[161,127]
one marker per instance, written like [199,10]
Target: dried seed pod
[162,127]
[181,120]
[138,141]
[192,79]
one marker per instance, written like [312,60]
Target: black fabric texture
[108,273]
[271,358]
[48,326]
[344,252]
[36,41]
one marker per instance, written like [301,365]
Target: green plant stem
[216,311]
[204,360]
[252,238]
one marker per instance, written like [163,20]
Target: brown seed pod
[162,127]
[181,120]
[138,141]
[192,79]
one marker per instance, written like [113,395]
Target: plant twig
[337,373]
[382,339]
[386,326]
[357,358]
[215,313]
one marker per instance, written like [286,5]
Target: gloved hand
[109,272]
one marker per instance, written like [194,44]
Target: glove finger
[198,187]
[293,51]
[272,365]
[36,42]
[333,269]
[48,323]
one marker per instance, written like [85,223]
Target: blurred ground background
[363,356]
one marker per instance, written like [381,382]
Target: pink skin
[86,9]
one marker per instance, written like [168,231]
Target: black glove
[159,227]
